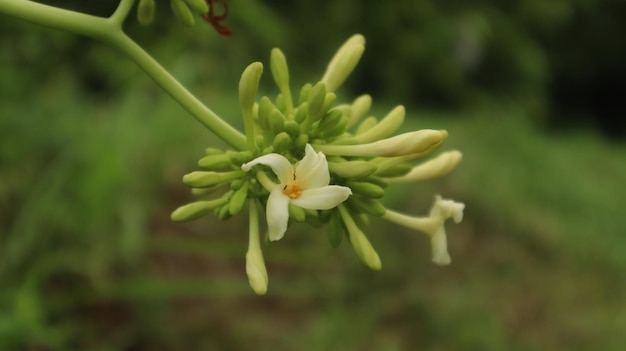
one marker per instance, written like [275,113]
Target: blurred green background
[92,153]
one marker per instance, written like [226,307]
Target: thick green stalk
[110,30]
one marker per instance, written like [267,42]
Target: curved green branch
[121,12]
[110,30]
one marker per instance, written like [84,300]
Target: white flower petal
[279,164]
[323,198]
[445,209]
[439,246]
[312,171]
[310,159]
[277,213]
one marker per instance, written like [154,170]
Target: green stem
[110,30]
[121,12]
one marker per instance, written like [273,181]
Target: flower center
[292,190]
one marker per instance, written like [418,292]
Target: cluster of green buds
[186,11]
[314,161]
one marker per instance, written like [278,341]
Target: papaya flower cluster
[312,160]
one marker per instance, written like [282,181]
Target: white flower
[433,225]
[304,186]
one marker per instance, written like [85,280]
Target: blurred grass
[89,259]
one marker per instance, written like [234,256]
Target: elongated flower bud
[145,12]
[248,86]
[238,199]
[335,230]
[255,264]
[344,62]
[360,106]
[403,144]
[316,102]
[200,179]
[297,213]
[384,128]
[196,209]
[198,6]
[367,124]
[281,141]
[352,169]
[280,72]
[216,161]
[435,168]
[359,242]
[182,12]
[367,189]
[366,205]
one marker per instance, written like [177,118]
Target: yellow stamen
[292,190]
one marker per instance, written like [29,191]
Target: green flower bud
[223,213]
[237,184]
[366,205]
[378,181]
[182,12]
[394,171]
[313,218]
[281,103]
[238,199]
[399,145]
[435,168]
[386,127]
[367,189]
[361,245]
[360,106]
[338,129]
[276,121]
[301,141]
[316,102]
[292,128]
[345,109]
[203,191]
[255,264]
[279,68]
[239,157]
[330,120]
[256,271]
[301,112]
[213,151]
[260,141]
[297,213]
[282,142]
[196,209]
[249,84]
[344,62]
[263,113]
[361,219]
[216,161]
[304,93]
[281,76]
[199,6]
[329,101]
[366,125]
[352,169]
[145,12]
[199,179]
[335,231]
